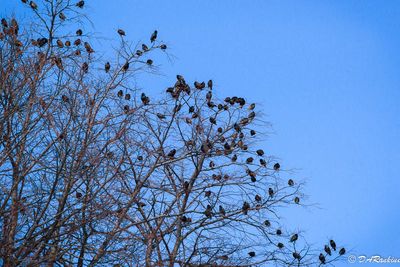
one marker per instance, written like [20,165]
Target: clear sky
[326,74]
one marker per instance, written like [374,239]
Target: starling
[80,4]
[79,32]
[210,84]
[270,192]
[277,166]
[219,130]
[249,160]
[263,162]
[42,42]
[78,194]
[65,98]
[260,152]
[252,132]
[342,251]
[279,232]
[145,48]
[163,46]
[184,219]
[280,245]
[139,53]
[67,43]
[186,185]
[4,23]
[294,238]
[257,198]
[33,5]
[322,258]
[267,223]
[153,36]
[251,115]
[128,97]
[222,210]
[126,108]
[224,257]
[120,93]
[252,254]
[62,16]
[125,67]
[121,32]
[252,106]
[88,48]
[328,250]
[227,146]
[234,158]
[24,1]
[107,67]
[245,207]
[172,153]
[85,67]
[140,158]
[297,200]
[209,96]
[78,52]
[160,116]
[290,182]
[296,255]
[199,86]
[212,164]
[149,62]
[208,211]
[207,193]
[77,42]
[333,244]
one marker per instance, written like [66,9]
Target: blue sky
[326,76]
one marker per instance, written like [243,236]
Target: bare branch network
[95,173]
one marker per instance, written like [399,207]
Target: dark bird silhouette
[199,85]
[128,97]
[125,67]
[172,153]
[222,210]
[263,162]
[245,207]
[79,32]
[252,175]
[333,244]
[33,5]
[163,46]
[290,182]
[277,166]
[80,4]
[107,67]
[121,32]
[77,42]
[88,48]
[24,1]
[139,53]
[234,158]
[207,193]
[85,67]
[120,93]
[219,130]
[322,258]
[227,146]
[237,127]
[267,223]
[160,116]
[297,200]
[279,232]
[280,245]
[145,48]
[294,238]
[210,84]
[270,192]
[191,109]
[126,108]
[249,160]
[209,96]
[4,23]
[67,43]
[252,115]
[153,36]
[252,254]
[78,194]
[257,198]
[328,250]
[296,255]
[260,152]
[149,62]
[252,132]
[208,212]
[342,251]
[62,16]
[252,106]
[65,98]
[42,42]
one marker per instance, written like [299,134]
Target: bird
[139,53]
[280,245]
[252,132]
[78,194]
[33,5]
[257,198]
[297,200]
[252,106]
[67,43]
[227,146]
[294,238]
[210,84]
[211,164]
[125,67]
[172,153]
[207,193]
[333,244]
[290,182]
[88,48]
[252,115]
[328,250]
[107,67]
[163,46]
[85,67]
[120,93]
[342,251]
[77,42]
[322,258]
[160,116]
[128,97]
[79,32]
[270,192]
[263,162]
[234,158]
[126,108]
[252,254]
[121,32]
[267,223]
[222,210]
[149,62]
[260,152]
[24,1]
[60,43]
[62,16]
[252,175]
[249,160]
[223,257]
[199,85]
[208,211]
[4,23]
[296,255]
[140,158]
[145,48]
[245,207]
[65,98]
[153,36]
[277,166]
[279,232]
[80,4]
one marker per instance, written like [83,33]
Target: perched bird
[160,116]
[79,32]
[199,85]
[322,258]
[65,98]
[342,251]
[208,211]
[223,257]
[153,36]
[267,223]
[207,193]
[328,250]
[88,48]
[277,166]
[107,67]
[139,53]
[252,115]
[78,194]
[252,175]
[296,255]
[42,42]
[149,62]
[234,158]
[33,5]
[222,210]
[279,232]
[249,160]
[126,108]
[67,43]
[60,44]
[257,198]
[270,192]
[191,109]
[252,106]
[128,97]
[263,162]
[245,207]
[252,132]
[172,153]
[252,254]
[211,164]
[14,26]
[297,200]
[163,46]
[294,238]
[290,182]
[120,93]
[209,96]
[280,245]
[227,146]
[145,48]
[80,4]
[210,84]
[4,23]
[260,152]
[85,67]
[77,42]
[24,1]
[125,67]
[121,32]
[333,244]
[62,16]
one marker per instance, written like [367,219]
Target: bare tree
[94,172]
